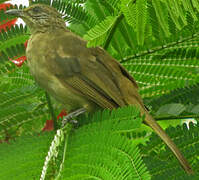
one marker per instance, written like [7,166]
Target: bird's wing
[89,71]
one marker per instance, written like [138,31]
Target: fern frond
[195,4]
[15,96]
[112,6]
[128,7]
[173,13]
[172,67]
[187,95]
[141,12]
[97,150]
[6,67]
[164,73]
[125,118]
[101,161]
[19,103]
[159,158]
[19,77]
[12,52]
[189,8]
[72,11]
[179,11]
[23,111]
[14,36]
[135,13]
[15,119]
[97,35]
[161,14]
[4,17]
[20,161]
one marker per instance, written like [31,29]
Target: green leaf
[160,12]
[23,159]
[160,160]
[98,150]
[173,13]
[141,13]
[195,109]
[171,109]
[2,1]
[188,7]
[128,7]
[196,4]
[98,34]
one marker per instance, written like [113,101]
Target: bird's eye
[36,9]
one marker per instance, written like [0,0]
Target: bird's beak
[15,12]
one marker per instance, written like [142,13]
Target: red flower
[19,61]
[4,6]
[62,114]
[49,126]
[9,23]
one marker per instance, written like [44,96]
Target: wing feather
[90,92]
[84,70]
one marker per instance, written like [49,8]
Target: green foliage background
[158,42]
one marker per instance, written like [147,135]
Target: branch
[150,51]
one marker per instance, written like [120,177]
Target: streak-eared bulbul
[77,76]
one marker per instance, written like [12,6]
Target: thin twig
[67,130]
[176,117]
[53,149]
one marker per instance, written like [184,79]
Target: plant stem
[51,110]
[112,32]
[176,117]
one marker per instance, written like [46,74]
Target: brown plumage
[78,76]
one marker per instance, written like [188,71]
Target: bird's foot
[69,117]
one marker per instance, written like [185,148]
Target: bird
[78,76]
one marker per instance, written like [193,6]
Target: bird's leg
[69,117]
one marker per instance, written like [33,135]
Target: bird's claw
[69,117]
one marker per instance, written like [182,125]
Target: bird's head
[39,17]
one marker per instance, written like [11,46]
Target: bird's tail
[155,126]
[132,97]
